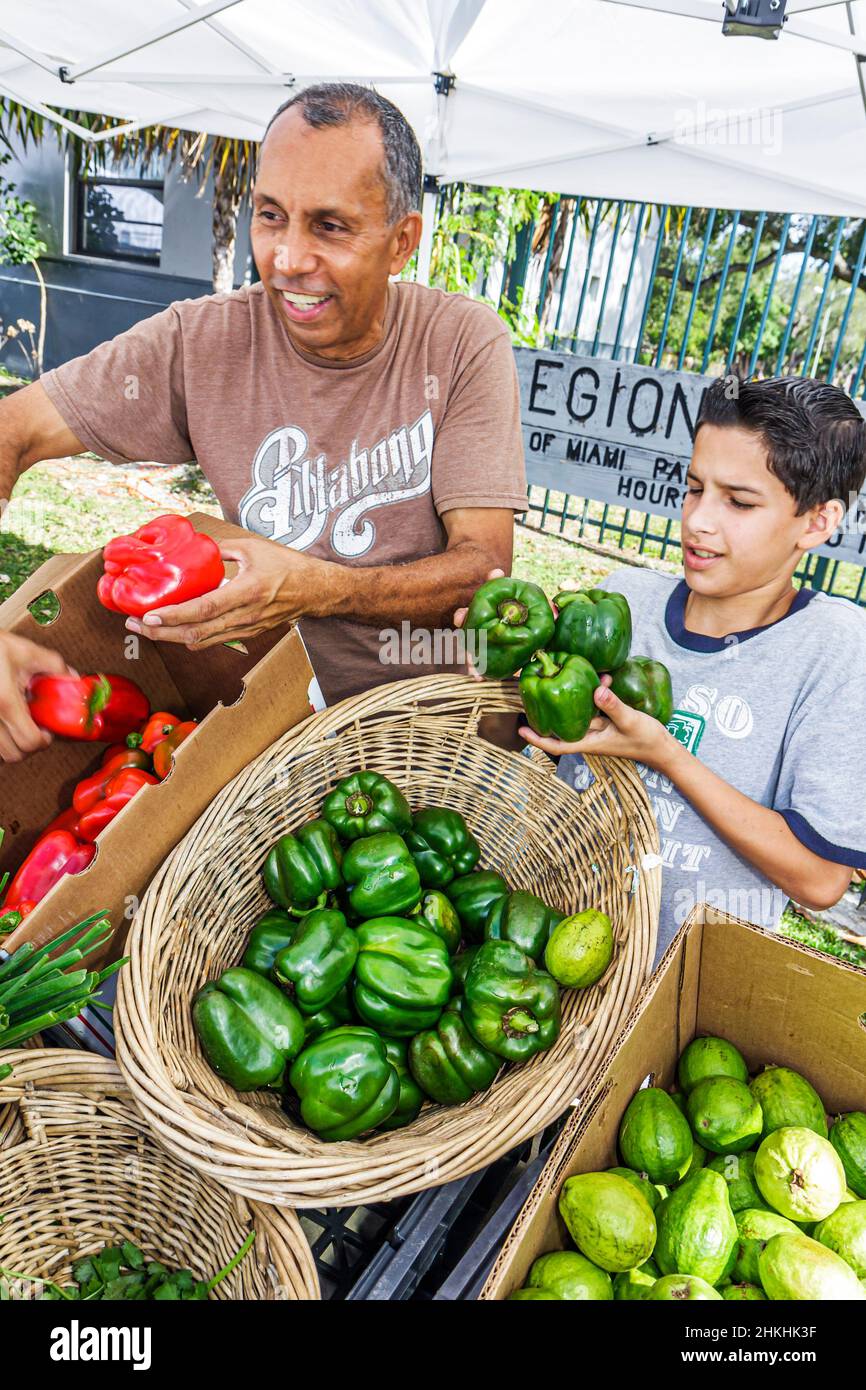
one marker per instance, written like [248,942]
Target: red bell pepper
[158,727]
[102,807]
[164,562]
[98,708]
[118,756]
[132,743]
[67,820]
[164,750]
[54,854]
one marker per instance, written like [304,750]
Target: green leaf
[108,1263]
[166,1292]
[83,1271]
[133,1258]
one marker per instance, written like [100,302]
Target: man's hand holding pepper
[276,584]
[273,585]
[20,661]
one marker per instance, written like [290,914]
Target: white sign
[623,434]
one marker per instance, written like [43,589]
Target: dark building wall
[92,300]
[87,303]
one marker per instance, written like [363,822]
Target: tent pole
[852,25]
[425,247]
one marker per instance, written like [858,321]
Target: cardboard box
[244,700]
[777,1002]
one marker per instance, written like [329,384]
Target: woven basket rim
[234,1143]
[79,1077]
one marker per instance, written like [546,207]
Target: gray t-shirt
[779,713]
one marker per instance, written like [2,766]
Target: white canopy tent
[638,99]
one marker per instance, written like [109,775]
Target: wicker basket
[11,1124]
[199,908]
[89,1173]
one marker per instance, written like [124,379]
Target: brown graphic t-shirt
[354,461]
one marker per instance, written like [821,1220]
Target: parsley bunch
[124,1273]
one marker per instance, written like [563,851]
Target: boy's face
[740,528]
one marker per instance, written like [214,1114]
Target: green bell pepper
[523,919]
[507,620]
[460,968]
[442,846]
[322,843]
[273,931]
[345,1083]
[474,895]
[594,624]
[411,1095]
[338,1011]
[645,685]
[381,876]
[248,1029]
[447,1062]
[510,1007]
[319,961]
[402,976]
[556,690]
[437,912]
[366,804]
[301,870]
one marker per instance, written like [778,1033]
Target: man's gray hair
[339,103]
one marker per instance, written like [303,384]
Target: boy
[760,790]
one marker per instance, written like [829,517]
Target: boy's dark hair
[339,103]
[814,434]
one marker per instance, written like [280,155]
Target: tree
[195,153]
[22,244]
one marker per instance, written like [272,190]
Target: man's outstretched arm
[276,584]
[31,429]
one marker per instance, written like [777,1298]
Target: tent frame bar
[90,136]
[41,60]
[236,43]
[703,9]
[657,139]
[258,79]
[186,21]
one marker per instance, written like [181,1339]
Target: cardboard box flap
[225,669]
[16,608]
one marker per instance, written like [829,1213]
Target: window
[118,213]
[594,283]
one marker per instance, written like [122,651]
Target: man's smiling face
[320,233]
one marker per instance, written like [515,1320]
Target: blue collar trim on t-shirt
[675,622]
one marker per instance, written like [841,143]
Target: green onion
[38,988]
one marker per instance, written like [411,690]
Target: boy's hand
[622,733]
[460,618]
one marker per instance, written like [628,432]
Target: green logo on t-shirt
[686,728]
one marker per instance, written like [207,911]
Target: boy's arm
[759,834]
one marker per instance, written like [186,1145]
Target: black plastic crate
[440,1244]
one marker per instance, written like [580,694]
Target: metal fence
[707,290]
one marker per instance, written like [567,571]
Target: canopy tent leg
[425,247]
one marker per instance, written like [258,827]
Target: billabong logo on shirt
[293,496]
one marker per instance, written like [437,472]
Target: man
[366,431]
